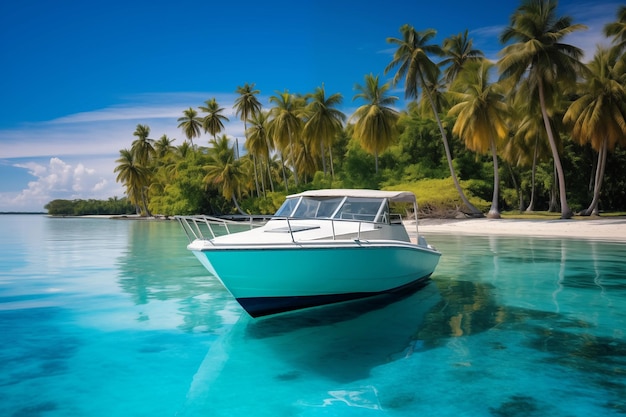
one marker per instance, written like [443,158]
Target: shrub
[439,197]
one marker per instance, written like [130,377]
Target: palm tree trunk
[518,188]
[494,211]
[531,205]
[593,207]
[594,170]
[269,165]
[238,207]
[566,213]
[262,170]
[256,177]
[376,160]
[332,168]
[474,211]
[282,164]
[144,202]
[323,157]
[269,174]
[554,204]
[293,160]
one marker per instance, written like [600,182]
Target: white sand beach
[607,229]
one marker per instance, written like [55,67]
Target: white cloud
[58,179]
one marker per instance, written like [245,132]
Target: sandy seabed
[608,229]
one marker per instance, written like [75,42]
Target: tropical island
[538,130]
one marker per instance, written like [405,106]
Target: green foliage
[269,204]
[420,144]
[438,197]
[264,205]
[185,194]
[510,198]
[60,208]
[614,194]
[358,168]
[112,206]
[321,181]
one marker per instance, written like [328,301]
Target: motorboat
[321,247]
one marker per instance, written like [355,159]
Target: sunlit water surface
[116,318]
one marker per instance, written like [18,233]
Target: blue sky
[78,76]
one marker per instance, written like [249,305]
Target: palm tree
[183,150]
[142,147]
[540,56]
[180,160]
[324,121]
[436,101]
[191,124]
[286,125]
[375,125]
[246,106]
[224,170]
[618,29]
[416,68]
[164,164]
[213,122]
[134,177]
[458,50]
[163,147]
[481,118]
[258,143]
[306,159]
[143,153]
[528,143]
[598,116]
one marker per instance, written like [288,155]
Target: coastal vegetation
[112,206]
[538,130]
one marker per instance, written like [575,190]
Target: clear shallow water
[115,318]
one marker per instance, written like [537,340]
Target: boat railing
[332,225]
[291,229]
[207,227]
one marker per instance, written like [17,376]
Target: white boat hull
[269,279]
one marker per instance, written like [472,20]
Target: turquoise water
[115,318]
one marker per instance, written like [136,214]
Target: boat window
[383,213]
[328,206]
[287,208]
[360,209]
[306,208]
[317,207]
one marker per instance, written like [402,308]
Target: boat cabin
[361,205]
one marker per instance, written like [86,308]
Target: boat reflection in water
[336,346]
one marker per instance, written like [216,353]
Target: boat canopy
[393,196]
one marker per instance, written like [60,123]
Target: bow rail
[207,227]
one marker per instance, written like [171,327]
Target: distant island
[23,212]
[113,206]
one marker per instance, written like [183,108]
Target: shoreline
[612,229]
[604,229]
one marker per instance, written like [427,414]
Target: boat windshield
[350,208]
[287,208]
[367,209]
[309,207]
